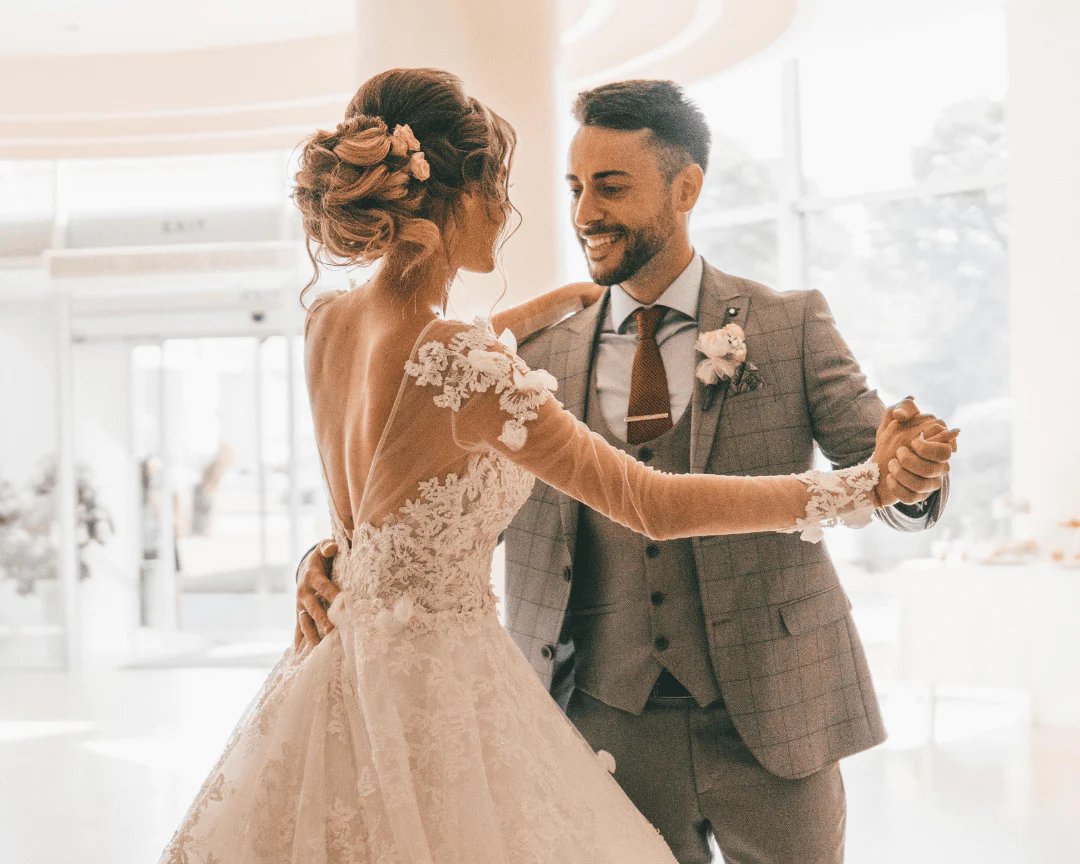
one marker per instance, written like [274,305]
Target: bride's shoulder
[316,315]
[457,335]
[323,298]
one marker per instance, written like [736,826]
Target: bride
[416,731]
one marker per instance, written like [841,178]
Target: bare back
[355,355]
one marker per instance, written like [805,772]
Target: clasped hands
[912,453]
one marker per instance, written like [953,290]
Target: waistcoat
[635,608]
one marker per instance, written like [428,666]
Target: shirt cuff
[913,517]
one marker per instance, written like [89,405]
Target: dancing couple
[679,661]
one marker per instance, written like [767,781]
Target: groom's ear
[687,187]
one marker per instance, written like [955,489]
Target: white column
[506,54]
[291,317]
[791,223]
[67,557]
[1043,130]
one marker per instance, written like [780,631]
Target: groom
[724,674]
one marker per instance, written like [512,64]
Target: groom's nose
[586,210]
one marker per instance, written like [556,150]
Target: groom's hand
[917,471]
[314,594]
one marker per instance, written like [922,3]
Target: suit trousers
[688,771]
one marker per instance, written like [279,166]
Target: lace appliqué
[843,497]
[427,568]
[467,365]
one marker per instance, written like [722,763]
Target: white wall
[28,436]
[108,601]
[1043,136]
[27,388]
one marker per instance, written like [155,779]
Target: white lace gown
[416,732]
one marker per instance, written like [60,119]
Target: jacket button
[567,573]
[661,643]
[657,597]
[546,652]
[652,550]
[645,454]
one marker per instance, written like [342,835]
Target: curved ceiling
[63,27]
[130,78]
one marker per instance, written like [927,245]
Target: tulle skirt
[391,743]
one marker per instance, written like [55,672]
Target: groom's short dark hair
[677,124]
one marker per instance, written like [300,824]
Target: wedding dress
[416,732]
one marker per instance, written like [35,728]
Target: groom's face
[622,203]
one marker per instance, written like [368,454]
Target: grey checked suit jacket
[781,638]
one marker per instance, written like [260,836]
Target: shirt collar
[681,295]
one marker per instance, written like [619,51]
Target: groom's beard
[641,247]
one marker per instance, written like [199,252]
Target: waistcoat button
[567,573]
[657,597]
[661,643]
[546,652]
[652,550]
[645,454]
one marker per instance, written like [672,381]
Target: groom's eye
[612,191]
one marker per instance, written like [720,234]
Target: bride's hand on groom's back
[587,292]
[912,453]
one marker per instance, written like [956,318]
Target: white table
[1007,626]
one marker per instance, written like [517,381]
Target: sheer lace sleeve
[499,403]
[474,361]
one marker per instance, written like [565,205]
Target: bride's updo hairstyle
[360,188]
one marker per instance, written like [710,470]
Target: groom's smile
[601,245]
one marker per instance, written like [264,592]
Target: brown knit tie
[649,413]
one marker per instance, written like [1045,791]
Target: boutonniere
[725,361]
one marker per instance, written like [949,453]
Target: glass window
[863,132]
[919,290]
[748,250]
[743,110]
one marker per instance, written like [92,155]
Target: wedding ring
[302,612]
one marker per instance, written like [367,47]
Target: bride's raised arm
[498,402]
[534,315]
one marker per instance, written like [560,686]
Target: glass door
[220,496]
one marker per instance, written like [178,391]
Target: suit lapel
[572,354]
[719,304]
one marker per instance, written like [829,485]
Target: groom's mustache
[598,230]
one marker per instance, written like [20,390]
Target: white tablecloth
[993,626]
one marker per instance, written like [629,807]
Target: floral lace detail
[429,566]
[843,497]
[467,366]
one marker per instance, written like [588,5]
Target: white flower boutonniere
[725,361]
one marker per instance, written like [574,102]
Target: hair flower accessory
[402,144]
[418,166]
[725,360]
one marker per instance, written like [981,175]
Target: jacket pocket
[814,611]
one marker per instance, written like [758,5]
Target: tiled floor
[99,770]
